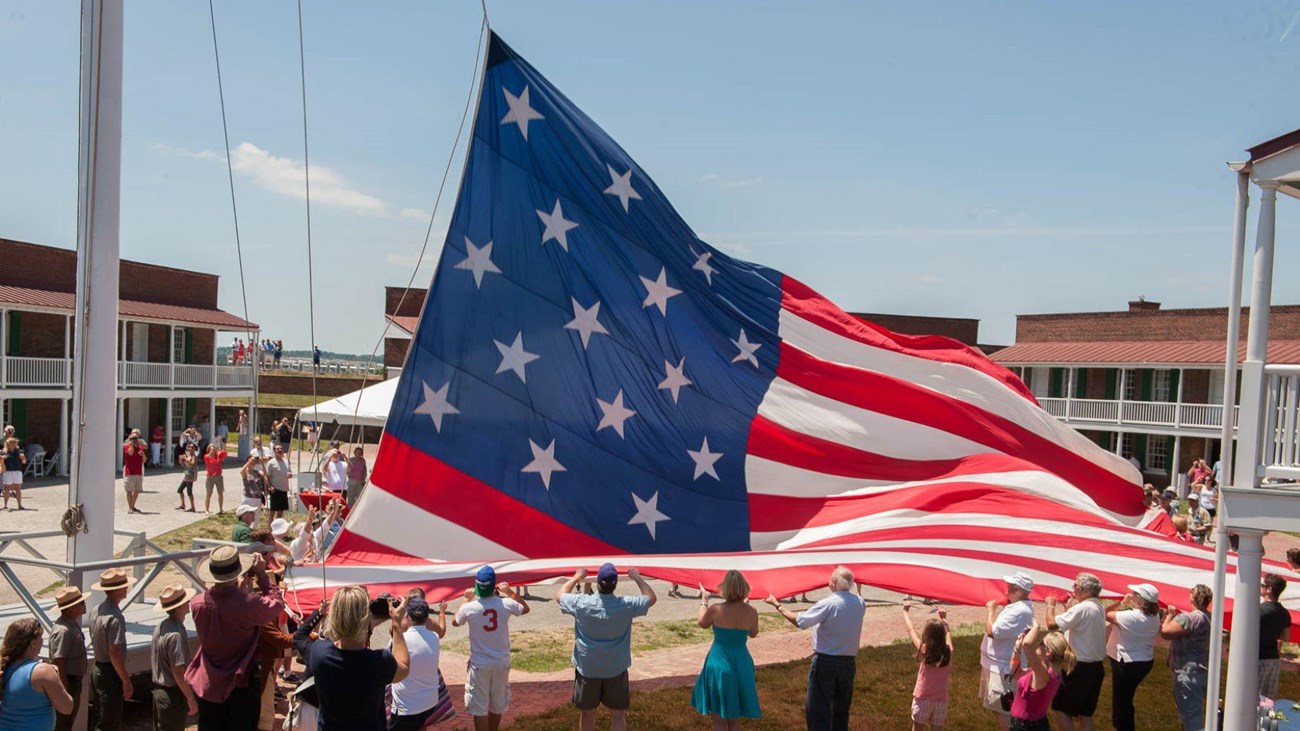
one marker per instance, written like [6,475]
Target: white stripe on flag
[406,528]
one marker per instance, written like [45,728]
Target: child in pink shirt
[1048,654]
[934,665]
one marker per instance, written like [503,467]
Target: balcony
[56,374]
[1086,413]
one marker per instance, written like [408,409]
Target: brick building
[1146,383]
[167,373]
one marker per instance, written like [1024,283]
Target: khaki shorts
[991,688]
[217,481]
[133,483]
[610,692]
[487,690]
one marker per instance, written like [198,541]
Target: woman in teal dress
[725,690]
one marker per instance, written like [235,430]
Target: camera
[379,606]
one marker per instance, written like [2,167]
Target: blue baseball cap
[486,575]
[607,574]
[417,610]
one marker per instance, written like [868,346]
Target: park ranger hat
[224,563]
[112,580]
[68,597]
[173,596]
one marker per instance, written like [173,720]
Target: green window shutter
[1112,383]
[1173,389]
[1055,383]
[13,333]
[191,410]
[189,345]
[1081,383]
[1144,392]
[18,417]
[1140,449]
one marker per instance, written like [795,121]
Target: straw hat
[113,579]
[173,596]
[224,563]
[68,597]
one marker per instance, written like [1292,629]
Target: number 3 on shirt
[491,625]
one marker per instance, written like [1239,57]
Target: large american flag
[590,381]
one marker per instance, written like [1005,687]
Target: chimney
[1142,305]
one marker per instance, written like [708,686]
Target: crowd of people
[272,352]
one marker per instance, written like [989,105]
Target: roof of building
[1137,352]
[1275,145]
[66,301]
[407,324]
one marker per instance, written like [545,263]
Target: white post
[63,437]
[1175,463]
[4,349]
[171,363]
[167,447]
[98,203]
[1225,445]
[67,363]
[1240,699]
[1119,410]
[1069,391]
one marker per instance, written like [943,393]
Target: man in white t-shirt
[262,454]
[416,697]
[1084,623]
[1001,629]
[487,682]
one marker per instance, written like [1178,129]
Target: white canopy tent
[367,407]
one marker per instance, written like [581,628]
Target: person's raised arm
[947,631]
[705,615]
[45,679]
[400,653]
[991,617]
[509,591]
[911,629]
[1170,628]
[302,638]
[438,626]
[569,584]
[635,575]
[1036,665]
[1050,619]
[790,616]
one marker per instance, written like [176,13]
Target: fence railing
[56,373]
[1138,413]
[36,372]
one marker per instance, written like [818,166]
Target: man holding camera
[133,455]
[487,682]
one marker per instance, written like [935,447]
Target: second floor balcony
[1086,413]
[55,374]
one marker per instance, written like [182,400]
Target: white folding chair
[50,464]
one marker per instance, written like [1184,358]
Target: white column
[1178,399]
[1123,388]
[167,447]
[1069,390]
[64,444]
[1175,461]
[1119,443]
[171,366]
[1225,448]
[67,360]
[119,431]
[4,349]
[99,202]
[1243,677]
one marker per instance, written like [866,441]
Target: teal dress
[726,682]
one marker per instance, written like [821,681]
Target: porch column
[1123,388]
[212,418]
[1069,390]
[171,372]
[4,350]
[1119,443]
[1178,399]
[64,444]
[118,436]
[1176,462]
[67,360]
[167,447]
[1243,672]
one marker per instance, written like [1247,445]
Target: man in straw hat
[108,677]
[224,672]
[173,699]
[68,649]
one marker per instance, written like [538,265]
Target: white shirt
[1085,628]
[1208,498]
[836,622]
[489,629]
[995,651]
[261,453]
[336,475]
[1134,635]
[419,692]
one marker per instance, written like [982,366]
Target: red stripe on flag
[432,485]
[799,299]
[904,400]
[352,549]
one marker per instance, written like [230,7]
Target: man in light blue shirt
[837,631]
[602,642]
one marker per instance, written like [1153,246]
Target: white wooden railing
[56,373]
[1085,412]
[1281,456]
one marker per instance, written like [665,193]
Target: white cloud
[743,183]
[709,178]
[166,150]
[413,213]
[929,279]
[284,176]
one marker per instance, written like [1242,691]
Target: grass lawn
[215,527]
[275,400]
[545,651]
[882,697]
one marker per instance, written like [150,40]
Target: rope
[74,521]
[475,82]
[306,175]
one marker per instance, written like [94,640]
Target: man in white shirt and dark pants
[487,682]
[837,634]
[1084,623]
[1000,632]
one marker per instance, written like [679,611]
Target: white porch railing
[36,372]
[193,375]
[56,373]
[132,374]
[1098,412]
[1281,456]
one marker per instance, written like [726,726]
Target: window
[178,345]
[1126,446]
[1130,377]
[1157,453]
[178,416]
[6,412]
[1160,385]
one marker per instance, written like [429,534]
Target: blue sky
[963,159]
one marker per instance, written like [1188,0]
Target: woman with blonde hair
[350,677]
[30,691]
[725,689]
[1049,655]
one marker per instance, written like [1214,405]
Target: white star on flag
[556,226]
[702,265]
[676,378]
[621,186]
[585,321]
[657,291]
[647,513]
[747,349]
[514,357]
[436,405]
[478,260]
[704,461]
[614,414]
[543,463]
[520,111]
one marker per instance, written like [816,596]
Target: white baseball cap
[1021,580]
[243,510]
[1146,591]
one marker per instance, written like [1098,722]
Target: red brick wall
[204,341]
[961,329]
[1196,386]
[48,267]
[326,386]
[395,351]
[40,335]
[411,306]
[1192,324]
[42,425]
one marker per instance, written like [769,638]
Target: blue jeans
[830,692]
[1189,695]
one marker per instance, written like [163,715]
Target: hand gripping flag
[590,381]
